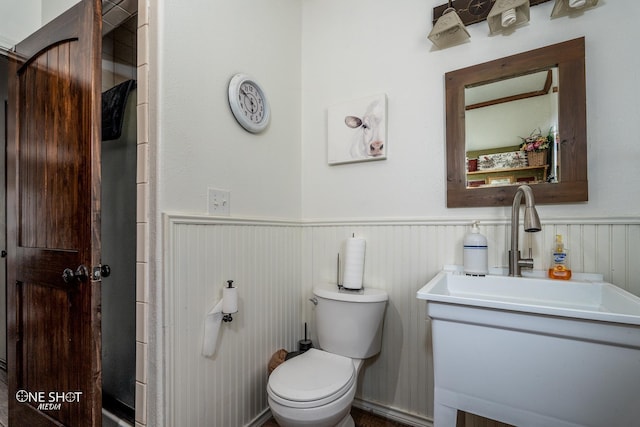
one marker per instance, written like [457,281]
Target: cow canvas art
[357,130]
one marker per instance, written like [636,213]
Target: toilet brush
[305,344]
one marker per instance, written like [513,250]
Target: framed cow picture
[357,131]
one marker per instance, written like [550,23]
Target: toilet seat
[313,379]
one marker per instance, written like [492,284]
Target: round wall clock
[248,103]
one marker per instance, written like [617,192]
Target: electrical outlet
[219,202]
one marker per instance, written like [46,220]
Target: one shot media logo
[48,401]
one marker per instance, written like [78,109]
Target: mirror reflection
[511,130]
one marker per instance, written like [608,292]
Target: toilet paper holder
[229,302]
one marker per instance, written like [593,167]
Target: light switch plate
[219,202]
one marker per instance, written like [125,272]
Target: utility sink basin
[586,299]
[532,351]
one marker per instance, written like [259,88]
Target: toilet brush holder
[304,345]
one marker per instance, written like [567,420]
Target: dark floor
[364,418]
[361,417]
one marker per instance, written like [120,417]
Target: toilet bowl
[314,389]
[317,387]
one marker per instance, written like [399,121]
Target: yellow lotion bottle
[559,269]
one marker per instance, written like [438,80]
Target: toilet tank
[349,323]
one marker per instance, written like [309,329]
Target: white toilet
[317,388]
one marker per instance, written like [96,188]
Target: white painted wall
[53,8]
[381,46]
[202,44]
[309,55]
[17,21]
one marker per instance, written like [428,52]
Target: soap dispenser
[475,253]
[559,264]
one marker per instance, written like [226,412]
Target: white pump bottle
[475,253]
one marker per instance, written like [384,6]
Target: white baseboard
[262,418]
[393,414]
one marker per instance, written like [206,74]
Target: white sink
[531,351]
[595,300]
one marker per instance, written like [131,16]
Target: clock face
[248,103]
[251,102]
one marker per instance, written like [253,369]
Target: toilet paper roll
[229,300]
[353,271]
[212,322]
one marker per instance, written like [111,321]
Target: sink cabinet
[534,352]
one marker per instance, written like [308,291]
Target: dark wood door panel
[50,147]
[46,327]
[45,266]
[53,188]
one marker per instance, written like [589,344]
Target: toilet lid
[312,376]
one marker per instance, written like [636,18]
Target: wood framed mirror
[567,61]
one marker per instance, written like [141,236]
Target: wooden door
[53,218]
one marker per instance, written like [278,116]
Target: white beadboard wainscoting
[276,263]
[264,261]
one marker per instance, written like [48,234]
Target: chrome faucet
[531,224]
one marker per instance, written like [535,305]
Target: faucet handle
[525,263]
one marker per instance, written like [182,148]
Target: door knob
[100,271]
[105,270]
[81,274]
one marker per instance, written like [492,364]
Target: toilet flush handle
[314,300]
